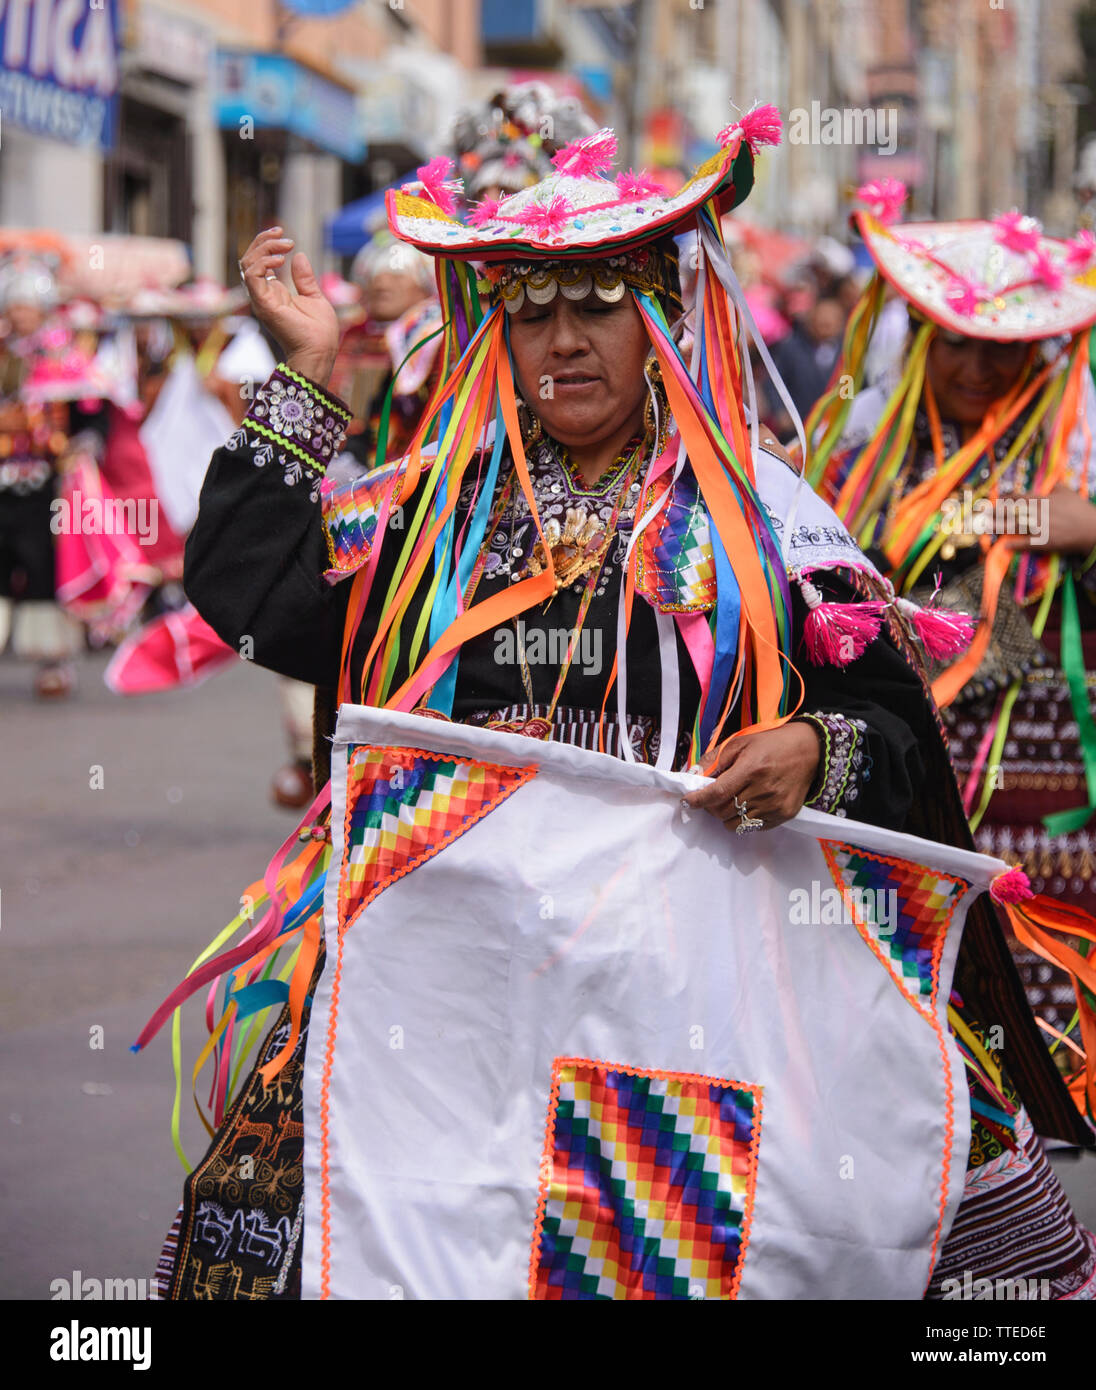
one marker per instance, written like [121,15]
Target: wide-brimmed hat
[1002,279]
[578,211]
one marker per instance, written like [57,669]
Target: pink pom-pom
[943,632]
[1011,886]
[836,633]
[883,198]
[633,187]
[433,177]
[761,126]
[544,219]
[963,295]
[1017,231]
[1081,250]
[1045,271]
[591,155]
[486,210]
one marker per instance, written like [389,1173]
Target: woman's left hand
[770,773]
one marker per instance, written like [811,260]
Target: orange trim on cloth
[929,1015]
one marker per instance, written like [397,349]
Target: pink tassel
[837,633]
[433,178]
[635,187]
[1017,232]
[1081,250]
[761,126]
[487,210]
[584,158]
[543,219]
[883,198]
[964,296]
[1011,886]
[1046,271]
[942,632]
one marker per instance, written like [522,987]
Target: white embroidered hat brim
[727,176]
[922,260]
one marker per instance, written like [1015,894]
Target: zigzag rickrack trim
[253,427]
[332,402]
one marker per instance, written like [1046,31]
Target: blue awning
[347,231]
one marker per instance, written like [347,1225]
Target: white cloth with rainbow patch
[573,1040]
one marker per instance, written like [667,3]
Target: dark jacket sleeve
[256,555]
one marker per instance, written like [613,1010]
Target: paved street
[107,896]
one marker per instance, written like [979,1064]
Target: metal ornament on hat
[608,279]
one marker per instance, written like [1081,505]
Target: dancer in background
[38,362]
[972,463]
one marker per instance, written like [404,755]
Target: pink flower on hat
[633,187]
[1080,250]
[433,177]
[543,219]
[591,155]
[763,125]
[1045,270]
[486,210]
[1017,231]
[964,295]
[883,198]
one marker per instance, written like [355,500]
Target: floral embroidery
[846,765]
[294,421]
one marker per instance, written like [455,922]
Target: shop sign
[59,68]
[273,91]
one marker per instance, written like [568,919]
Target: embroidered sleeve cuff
[296,421]
[844,766]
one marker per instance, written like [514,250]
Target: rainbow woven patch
[647,1184]
[909,939]
[350,513]
[675,567]
[403,806]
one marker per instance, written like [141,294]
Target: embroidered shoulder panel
[351,512]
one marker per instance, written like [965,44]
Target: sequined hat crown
[578,211]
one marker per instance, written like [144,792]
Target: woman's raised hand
[304,324]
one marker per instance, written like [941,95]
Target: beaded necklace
[581,546]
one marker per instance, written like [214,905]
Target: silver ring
[243,277]
[270,275]
[748,822]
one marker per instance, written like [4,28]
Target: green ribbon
[1073,667]
[380,454]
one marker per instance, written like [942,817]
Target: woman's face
[25,318]
[579,366]
[391,293]
[968,375]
